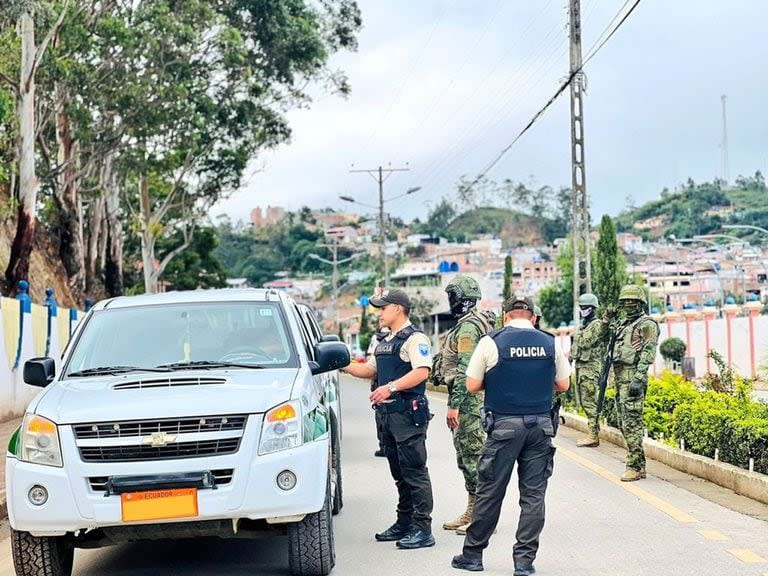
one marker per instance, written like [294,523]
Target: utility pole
[378,174]
[582,273]
[724,143]
[334,263]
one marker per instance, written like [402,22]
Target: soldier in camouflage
[634,351]
[588,352]
[463,416]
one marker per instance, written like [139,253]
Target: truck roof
[192,296]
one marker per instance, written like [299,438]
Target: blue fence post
[53,311]
[88,304]
[25,307]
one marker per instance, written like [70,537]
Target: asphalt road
[595,526]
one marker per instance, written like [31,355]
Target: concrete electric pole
[724,143]
[582,273]
[378,174]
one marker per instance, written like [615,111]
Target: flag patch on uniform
[424,349]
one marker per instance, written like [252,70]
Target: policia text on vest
[519,368]
[400,365]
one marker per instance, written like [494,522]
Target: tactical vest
[482,321]
[585,354]
[389,365]
[624,352]
[522,382]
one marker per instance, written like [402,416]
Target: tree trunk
[93,260]
[68,198]
[147,238]
[113,264]
[21,249]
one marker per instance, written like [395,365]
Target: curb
[750,484]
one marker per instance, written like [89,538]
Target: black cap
[391,296]
[518,303]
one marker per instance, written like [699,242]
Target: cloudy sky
[443,85]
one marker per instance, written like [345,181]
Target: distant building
[629,243]
[326,219]
[267,216]
[342,234]
[237,282]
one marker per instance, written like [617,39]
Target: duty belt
[398,403]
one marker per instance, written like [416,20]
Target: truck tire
[338,496]
[311,547]
[41,556]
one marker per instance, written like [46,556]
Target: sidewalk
[6,430]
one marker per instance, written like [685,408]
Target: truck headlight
[40,441]
[281,428]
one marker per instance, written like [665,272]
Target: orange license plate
[159,504]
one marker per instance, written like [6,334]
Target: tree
[507,276]
[609,268]
[31,54]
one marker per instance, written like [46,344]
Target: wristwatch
[392,387]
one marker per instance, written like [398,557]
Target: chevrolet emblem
[158,439]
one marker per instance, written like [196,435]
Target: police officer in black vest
[519,367]
[401,365]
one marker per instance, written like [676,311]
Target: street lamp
[382,227]
[745,227]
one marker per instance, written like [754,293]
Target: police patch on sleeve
[424,349]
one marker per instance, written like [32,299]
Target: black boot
[463,563]
[416,538]
[393,533]
[379,453]
[524,570]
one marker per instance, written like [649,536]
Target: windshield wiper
[190,365]
[116,370]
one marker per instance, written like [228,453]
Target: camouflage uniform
[588,352]
[633,353]
[468,438]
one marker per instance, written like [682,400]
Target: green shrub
[672,349]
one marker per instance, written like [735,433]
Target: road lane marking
[747,556]
[713,535]
[644,495]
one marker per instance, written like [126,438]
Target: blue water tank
[454,266]
[752,297]
[364,301]
[670,308]
[444,266]
[655,310]
[730,300]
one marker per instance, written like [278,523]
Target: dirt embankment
[45,267]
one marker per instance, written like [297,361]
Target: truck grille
[170,426]
[129,441]
[170,452]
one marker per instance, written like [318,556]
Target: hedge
[734,424]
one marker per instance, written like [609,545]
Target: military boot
[631,475]
[588,442]
[465,518]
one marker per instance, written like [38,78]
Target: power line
[591,54]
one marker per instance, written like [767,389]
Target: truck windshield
[179,336]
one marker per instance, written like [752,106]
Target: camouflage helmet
[632,292]
[465,287]
[588,300]
[536,311]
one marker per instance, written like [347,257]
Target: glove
[609,314]
[636,388]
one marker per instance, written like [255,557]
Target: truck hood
[139,396]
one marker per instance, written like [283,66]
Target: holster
[487,420]
[554,414]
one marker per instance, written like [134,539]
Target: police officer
[463,417]
[401,365]
[588,352]
[375,339]
[519,368]
[634,350]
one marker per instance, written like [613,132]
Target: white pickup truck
[206,413]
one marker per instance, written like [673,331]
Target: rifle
[602,383]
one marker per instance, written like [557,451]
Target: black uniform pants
[405,447]
[531,448]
